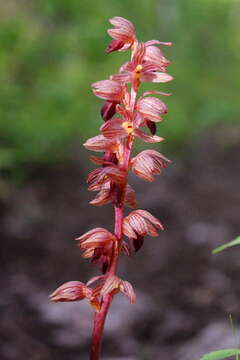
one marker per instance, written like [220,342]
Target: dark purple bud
[138,243]
[108,110]
[152,126]
[114,46]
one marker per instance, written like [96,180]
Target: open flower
[140,70]
[75,291]
[114,284]
[109,90]
[123,34]
[151,108]
[140,223]
[102,175]
[148,163]
[100,143]
[96,238]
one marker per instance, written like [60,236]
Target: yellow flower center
[128,127]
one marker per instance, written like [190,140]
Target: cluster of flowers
[125,118]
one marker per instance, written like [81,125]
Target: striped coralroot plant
[126,117]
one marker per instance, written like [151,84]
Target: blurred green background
[52,50]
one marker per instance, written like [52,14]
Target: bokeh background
[50,53]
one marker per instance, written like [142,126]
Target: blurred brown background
[50,53]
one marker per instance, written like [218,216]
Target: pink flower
[100,143]
[114,284]
[123,34]
[70,291]
[96,238]
[148,163]
[150,108]
[142,69]
[140,223]
[109,90]
[100,176]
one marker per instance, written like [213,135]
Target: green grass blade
[227,245]
[220,354]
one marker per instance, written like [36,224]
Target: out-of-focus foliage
[52,50]
[227,245]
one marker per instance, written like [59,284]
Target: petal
[121,22]
[122,78]
[70,291]
[147,138]
[140,223]
[150,107]
[112,283]
[98,237]
[114,45]
[148,163]
[127,289]
[156,77]
[157,42]
[108,90]
[100,143]
[130,197]
[113,129]
[102,175]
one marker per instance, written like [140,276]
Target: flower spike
[125,116]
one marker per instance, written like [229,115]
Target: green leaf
[220,354]
[227,245]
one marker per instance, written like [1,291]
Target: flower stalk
[125,115]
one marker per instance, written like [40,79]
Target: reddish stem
[100,317]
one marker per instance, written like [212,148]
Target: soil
[184,293]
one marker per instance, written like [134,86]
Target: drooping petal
[130,197]
[147,138]
[102,175]
[122,78]
[157,42]
[112,283]
[126,249]
[114,45]
[70,291]
[140,223]
[155,56]
[100,143]
[156,77]
[127,289]
[98,237]
[148,163]
[124,30]
[103,197]
[114,129]
[109,90]
[150,107]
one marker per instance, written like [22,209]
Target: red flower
[150,108]
[123,34]
[96,238]
[140,223]
[148,163]
[142,69]
[100,143]
[100,176]
[114,284]
[109,90]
